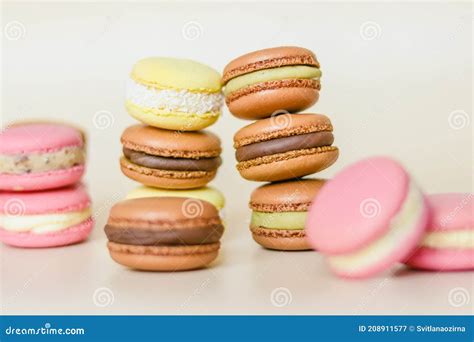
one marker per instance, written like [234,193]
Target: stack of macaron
[372,215]
[171,222]
[272,86]
[42,202]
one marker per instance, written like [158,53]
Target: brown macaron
[284,147]
[164,233]
[261,83]
[170,159]
[279,213]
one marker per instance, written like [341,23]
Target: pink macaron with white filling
[370,216]
[448,244]
[39,156]
[45,219]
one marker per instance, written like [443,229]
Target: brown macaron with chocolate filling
[170,159]
[284,147]
[279,213]
[164,233]
[263,82]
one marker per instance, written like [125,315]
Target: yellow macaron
[172,93]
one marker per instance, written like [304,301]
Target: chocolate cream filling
[281,145]
[174,164]
[165,237]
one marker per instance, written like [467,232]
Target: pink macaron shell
[65,237]
[451,211]
[38,137]
[41,180]
[434,259]
[62,200]
[399,253]
[356,206]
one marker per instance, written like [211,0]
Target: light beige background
[397,80]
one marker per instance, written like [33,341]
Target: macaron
[170,159]
[279,213]
[263,82]
[207,193]
[448,244]
[370,216]
[164,233]
[284,147]
[172,93]
[45,219]
[39,156]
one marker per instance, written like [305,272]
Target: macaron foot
[288,165]
[166,179]
[281,239]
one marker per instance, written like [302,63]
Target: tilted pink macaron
[45,219]
[370,216]
[39,156]
[448,244]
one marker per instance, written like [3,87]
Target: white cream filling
[41,224]
[459,239]
[401,227]
[171,100]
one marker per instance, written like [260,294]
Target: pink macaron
[39,156]
[45,219]
[448,244]
[370,216]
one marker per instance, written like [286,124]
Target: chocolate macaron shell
[166,143]
[269,58]
[289,196]
[163,213]
[166,179]
[288,165]
[164,258]
[282,126]
[265,99]
[280,239]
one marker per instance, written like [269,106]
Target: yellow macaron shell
[171,120]
[266,75]
[209,194]
[175,73]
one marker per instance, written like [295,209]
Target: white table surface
[246,279]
